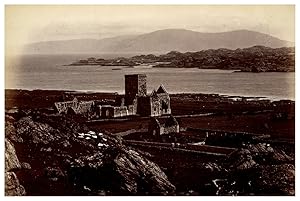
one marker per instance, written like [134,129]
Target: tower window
[165,106]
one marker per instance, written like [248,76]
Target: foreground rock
[60,157]
[275,179]
[12,184]
[259,169]
[139,172]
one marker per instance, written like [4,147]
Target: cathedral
[155,104]
[136,101]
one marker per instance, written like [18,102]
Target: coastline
[253,59]
[228,96]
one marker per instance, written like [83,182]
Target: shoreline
[234,70]
[252,59]
[233,97]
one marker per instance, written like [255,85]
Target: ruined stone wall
[84,107]
[134,105]
[131,88]
[98,111]
[169,129]
[142,85]
[162,126]
[161,129]
[120,101]
[153,128]
[62,107]
[131,110]
[120,111]
[124,111]
[165,104]
[144,106]
[155,107]
[107,112]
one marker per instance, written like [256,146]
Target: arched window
[165,106]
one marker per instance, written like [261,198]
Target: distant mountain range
[160,41]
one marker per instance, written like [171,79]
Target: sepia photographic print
[168,100]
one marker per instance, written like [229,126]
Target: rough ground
[58,162]
[12,184]
[45,155]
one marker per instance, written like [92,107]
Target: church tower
[135,85]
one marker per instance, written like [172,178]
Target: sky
[28,24]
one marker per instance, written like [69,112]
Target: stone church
[155,104]
[136,101]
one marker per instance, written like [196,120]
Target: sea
[51,72]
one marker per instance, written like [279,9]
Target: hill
[161,41]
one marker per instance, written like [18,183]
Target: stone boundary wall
[201,149]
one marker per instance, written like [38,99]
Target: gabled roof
[161,90]
[166,121]
[154,94]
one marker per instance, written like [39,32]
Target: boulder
[53,172]
[36,132]
[275,179]
[26,166]
[12,185]
[119,169]
[11,133]
[242,160]
[212,167]
[11,159]
[140,173]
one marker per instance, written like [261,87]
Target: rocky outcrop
[67,159]
[10,130]
[141,175]
[242,160]
[58,156]
[118,169]
[260,169]
[275,179]
[252,59]
[12,184]
[263,152]
[11,159]
[36,132]
[260,153]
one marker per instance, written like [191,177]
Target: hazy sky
[26,24]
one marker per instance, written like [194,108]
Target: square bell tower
[135,85]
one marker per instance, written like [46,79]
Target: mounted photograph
[144,100]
